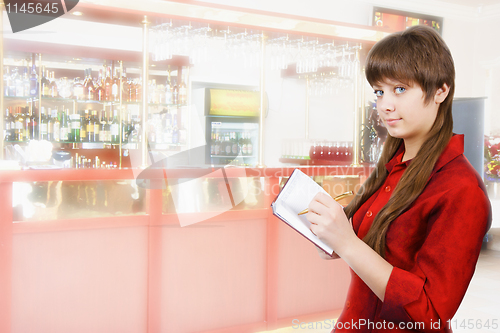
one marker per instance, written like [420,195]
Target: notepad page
[295,197]
[299,191]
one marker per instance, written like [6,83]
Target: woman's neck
[411,150]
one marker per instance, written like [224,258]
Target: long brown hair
[419,56]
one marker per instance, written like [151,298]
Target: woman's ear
[441,94]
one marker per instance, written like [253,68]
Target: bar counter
[161,250]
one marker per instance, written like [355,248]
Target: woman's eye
[400,90]
[378,93]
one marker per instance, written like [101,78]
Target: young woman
[413,233]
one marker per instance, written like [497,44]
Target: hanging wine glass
[165,40]
[314,56]
[329,56]
[284,57]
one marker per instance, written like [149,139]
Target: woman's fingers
[317,207]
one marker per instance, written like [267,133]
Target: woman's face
[404,111]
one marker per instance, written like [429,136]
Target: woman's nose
[385,105]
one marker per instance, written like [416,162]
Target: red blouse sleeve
[434,288]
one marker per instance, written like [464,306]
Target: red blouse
[434,246]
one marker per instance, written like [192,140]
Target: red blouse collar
[454,149]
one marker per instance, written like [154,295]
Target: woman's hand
[329,223]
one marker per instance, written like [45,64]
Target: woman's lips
[392,122]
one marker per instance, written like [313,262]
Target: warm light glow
[77,13]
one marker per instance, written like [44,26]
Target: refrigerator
[231,126]
[468,119]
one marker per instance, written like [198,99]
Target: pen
[337,198]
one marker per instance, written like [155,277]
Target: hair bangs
[389,59]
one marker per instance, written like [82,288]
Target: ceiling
[473,3]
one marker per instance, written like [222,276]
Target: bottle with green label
[75,125]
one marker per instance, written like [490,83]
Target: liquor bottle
[127,128]
[115,86]
[125,88]
[236,147]
[33,78]
[182,91]
[99,88]
[9,125]
[175,92]
[12,84]
[135,129]
[115,128]
[89,123]
[19,127]
[96,124]
[44,124]
[88,85]
[25,111]
[103,128]
[56,126]
[65,130]
[138,90]
[243,144]
[53,86]
[31,123]
[131,91]
[11,120]
[217,144]
[84,125]
[45,83]
[168,90]
[108,84]
[75,125]
[6,81]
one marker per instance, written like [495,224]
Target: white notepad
[295,196]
